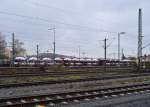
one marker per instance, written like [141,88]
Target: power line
[110,42]
[37,4]
[24,22]
[59,27]
[146,46]
[52,7]
[49,21]
[79,14]
[68,43]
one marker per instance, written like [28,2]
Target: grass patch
[39,78]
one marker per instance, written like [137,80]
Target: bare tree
[19,49]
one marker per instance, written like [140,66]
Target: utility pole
[120,33]
[119,48]
[105,52]
[122,54]
[79,53]
[54,46]
[140,39]
[37,53]
[54,43]
[13,49]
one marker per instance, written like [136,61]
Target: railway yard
[72,87]
[74,53]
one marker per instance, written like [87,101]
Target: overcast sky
[83,23]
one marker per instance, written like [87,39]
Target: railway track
[51,73]
[43,74]
[102,67]
[60,73]
[75,96]
[13,85]
[48,73]
[25,73]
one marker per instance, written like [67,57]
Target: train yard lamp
[120,33]
[54,43]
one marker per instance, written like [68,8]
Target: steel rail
[46,74]
[75,95]
[11,85]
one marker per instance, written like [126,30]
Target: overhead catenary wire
[19,36]
[110,42]
[62,10]
[85,27]
[59,27]
[67,46]
[75,13]
[49,21]
[146,46]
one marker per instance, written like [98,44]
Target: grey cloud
[110,15]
